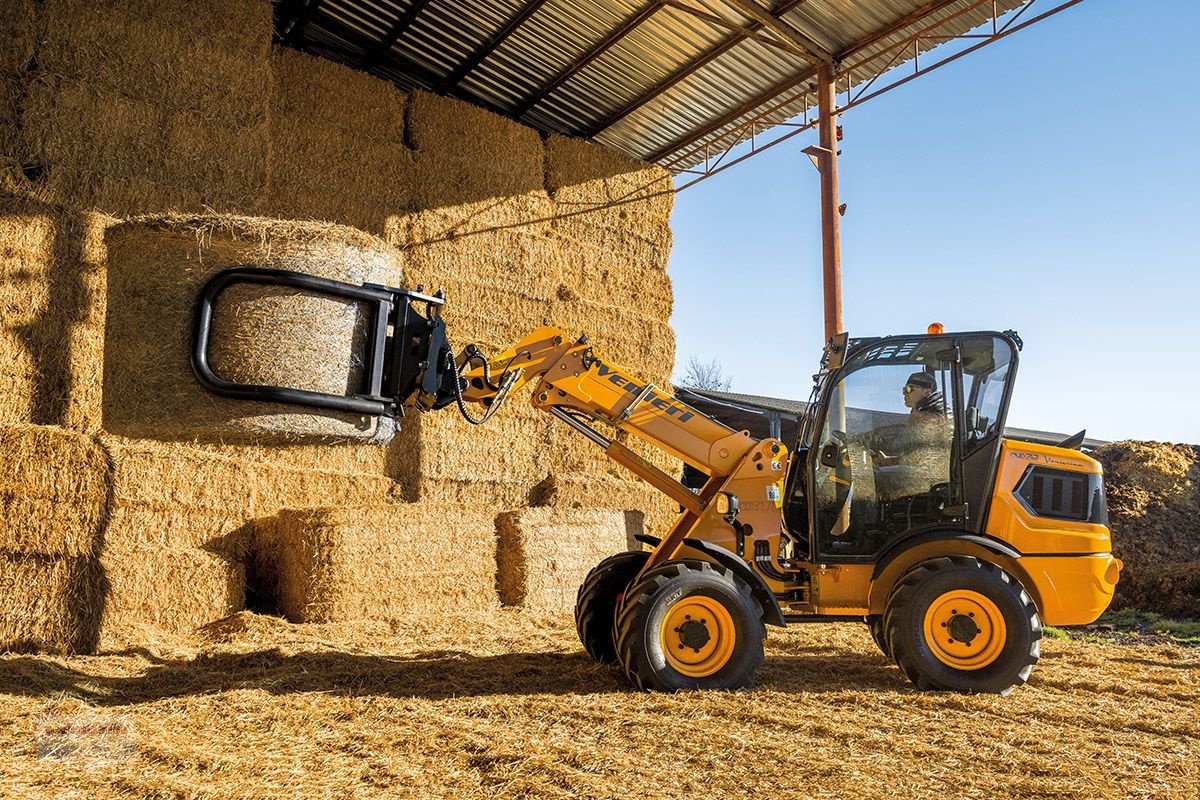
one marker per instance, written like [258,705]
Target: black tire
[875,624]
[598,599]
[1005,655]
[728,647]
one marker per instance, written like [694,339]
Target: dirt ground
[508,706]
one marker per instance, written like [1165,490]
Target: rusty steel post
[831,245]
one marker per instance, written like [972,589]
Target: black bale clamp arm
[412,357]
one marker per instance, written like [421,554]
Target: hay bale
[18,33]
[597,187]
[384,562]
[10,117]
[264,335]
[50,604]
[1153,492]
[51,314]
[54,492]
[442,456]
[478,155]
[624,335]
[173,588]
[326,94]
[544,554]
[225,164]
[83,127]
[209,58]
[116,196]
[611,278]
[326,172]
[277,488]
[563,490]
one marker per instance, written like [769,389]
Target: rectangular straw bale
[51,314]
[494,494]
[227,165]
[84,127]
[260,335]
[358,457]
[522,264]
[580,490]
[50,604]
[434,216]
[184,56]
[18,22]
[117,196]
[485,155]
[345,564]
[327,94]
[170,475]
[325,172]
[177,588]
[607,276]
[53,491]
[276,488]
[10,113]
[544,554]
[585,179]
[444,447]
[645,246]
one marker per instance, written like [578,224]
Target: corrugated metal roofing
[669,81]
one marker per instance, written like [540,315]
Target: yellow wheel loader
[902,504]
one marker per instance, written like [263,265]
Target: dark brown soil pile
[1154,506]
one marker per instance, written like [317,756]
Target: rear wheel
[598,599]
[690,625]
[875,624]
[961,624]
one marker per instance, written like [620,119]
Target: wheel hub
[694,634]
[965,629]
[697,636]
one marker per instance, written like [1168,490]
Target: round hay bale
[260,334]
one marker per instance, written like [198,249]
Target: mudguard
[772,613]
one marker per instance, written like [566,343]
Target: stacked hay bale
[611,224]
[345,564]
[336,142]
[51,314]
[149,105]
[142,106]
[1153,494]
[543,555]
[52,514]
[481,233]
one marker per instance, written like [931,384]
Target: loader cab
[903,440]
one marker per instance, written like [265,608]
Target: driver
[922,397]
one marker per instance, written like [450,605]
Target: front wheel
[964,625]
[690,624]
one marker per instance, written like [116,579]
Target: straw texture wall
[53,491]
[336,141]
[261,335]
[1154,506]
[51,314]
[543,554]
[50,603]
[140,107]
[382,562]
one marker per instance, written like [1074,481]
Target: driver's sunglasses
[909,387]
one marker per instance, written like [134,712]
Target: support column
[831,244]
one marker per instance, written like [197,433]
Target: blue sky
[1048,183]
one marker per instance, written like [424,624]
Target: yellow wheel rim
[965,629]
[698,636]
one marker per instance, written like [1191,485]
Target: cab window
[884,459]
